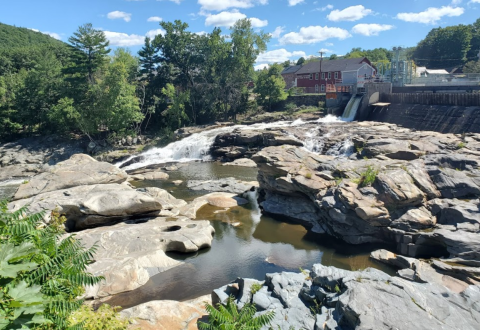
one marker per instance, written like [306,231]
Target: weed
[368,177]
[255,288]
[316,308]
[338,180]
[337,288]
[461,145]
[308,175]
[25,182]
[140,148]
[124,151]
[359,150]
[290,108]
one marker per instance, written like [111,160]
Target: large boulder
[79,170]
[129,253]
[92,205]
[228,185]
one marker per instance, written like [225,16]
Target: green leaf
[10,253]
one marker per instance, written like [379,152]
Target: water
[195,146]
[246,244]
[351,108]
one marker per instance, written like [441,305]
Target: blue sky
[298,27]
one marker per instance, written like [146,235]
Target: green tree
[175,113]
[333,57]
[228,317]
[474,50]
[444,47]
[472,67]
[91,47]
[301,61]
[270,86]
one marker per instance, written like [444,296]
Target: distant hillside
[14,37]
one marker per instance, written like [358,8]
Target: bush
[228,317]
[41,271]
[290,108]
[105,317]
[368,177]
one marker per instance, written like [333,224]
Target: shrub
[106,317]
[461,145]
[290,108]
[48,269]
[368,177]
[255,288]
[228,317]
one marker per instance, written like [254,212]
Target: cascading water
[342,149]
[252,196]
[195,146]
[352,107]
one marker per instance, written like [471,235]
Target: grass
[368,177]
[308,175]
[255,288]
[140,148]
[25,182]
[461,145]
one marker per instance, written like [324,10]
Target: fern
[46,260]
[228,317]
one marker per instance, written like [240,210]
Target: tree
[333,57]
[91,50]
[175,113]
[301,61]
[472,54]
[444,47]
[472,67]
[286,64]
[270,86]
[228,317]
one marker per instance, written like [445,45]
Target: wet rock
[243,162]
[79,170]
[229,185]
[151,176]
[216,199]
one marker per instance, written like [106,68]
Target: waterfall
[196,146]
[252,196]
[351,109]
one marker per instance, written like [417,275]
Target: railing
[454,99]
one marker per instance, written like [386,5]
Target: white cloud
[327,7]
[278,32]
[432,15]
[371,29]
[324,50]
[127,17]
[152,33]
[294,2]
[261,66]
[51,34]
[219,5]
[128,40]
[176,1]
[279,56]
[201,33]
[154,19]
[228,19]
[353,13]
[123,39]
[313,34]
[457,2]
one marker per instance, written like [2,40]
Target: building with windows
[334,75]
[289,75]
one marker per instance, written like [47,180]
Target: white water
[351,109]
[195,146]
[252,196]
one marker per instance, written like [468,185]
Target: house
[335,75]
[289,76]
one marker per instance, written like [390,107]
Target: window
[316,76]
[323,88]
[316,88]
[323,75]
[311,76]
[336,75]
[329,75]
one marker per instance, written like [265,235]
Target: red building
[334,75]
[289,75]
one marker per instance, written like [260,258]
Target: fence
[457,99]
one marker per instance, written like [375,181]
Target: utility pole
[320,76]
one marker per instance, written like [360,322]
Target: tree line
[178,78]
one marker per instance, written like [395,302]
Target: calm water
[246,244]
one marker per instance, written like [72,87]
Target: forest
[176,79]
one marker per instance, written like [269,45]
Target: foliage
[270,86]
[444,47]
[290,108]
[105,317]
[38,259]
[255,288]
[374,55]
[461,145]
[301,61]
[16,37]
[228,317]
[368,177]
[472,67]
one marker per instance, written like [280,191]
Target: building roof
[437,71]
[349,64]
[291,69]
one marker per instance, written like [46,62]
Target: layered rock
[331,298]
[416,190]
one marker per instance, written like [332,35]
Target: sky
[297,27]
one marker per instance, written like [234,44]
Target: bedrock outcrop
[380,183]
[332,298]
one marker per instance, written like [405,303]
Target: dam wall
[439,118]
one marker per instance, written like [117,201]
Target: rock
[243,162]
[92,205]
[229,185]
[79,170]
[129,253]
[218,198]
[155,176]
[177,182]
[397,189]
[224,201]
[167,314]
